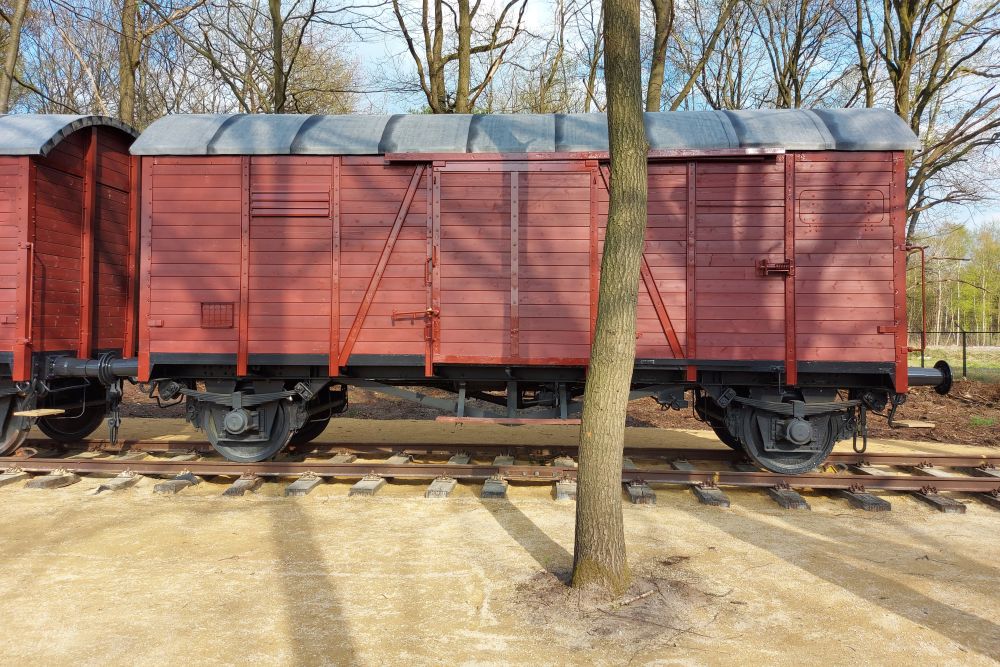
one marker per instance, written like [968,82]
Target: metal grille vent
[217,316]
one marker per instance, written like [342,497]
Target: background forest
[936,63]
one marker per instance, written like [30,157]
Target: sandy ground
[134,578]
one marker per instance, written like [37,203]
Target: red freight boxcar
[65,208]
[285,258]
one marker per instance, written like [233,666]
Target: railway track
[706,471]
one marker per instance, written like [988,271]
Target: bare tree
[731,78]
[941,63]
[599,556]
[15,20]
[590,32]
[663,26]
[493,36]
[257,51]
[800,40]
[697,53]
[136,28]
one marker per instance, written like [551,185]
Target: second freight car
[285,259]
[67,251]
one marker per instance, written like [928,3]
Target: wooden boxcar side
[289,257]
[497,261]
[67,235]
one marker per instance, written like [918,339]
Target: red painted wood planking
[504,255]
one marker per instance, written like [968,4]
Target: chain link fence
[971,354]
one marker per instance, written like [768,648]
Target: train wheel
[787,458]
[312,430]
[727,438]
[73,429]
[247,450]
[15,429]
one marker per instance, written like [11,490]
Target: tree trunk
[593,64]
[663,13]
[128,60]
[439,94]
[724,13]
[277,56]
[464,57]
[12,53]
[599,557]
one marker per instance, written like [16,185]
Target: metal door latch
[766,267]
[415,314]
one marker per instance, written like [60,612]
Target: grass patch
[982,421]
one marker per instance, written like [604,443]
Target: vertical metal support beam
[132,260]
[692,265]
[436,261]
[515,221]
[965,353]
[87,232]
[791,358]
[383,261]
[512,395]
[460,411]
[145,267]
[243,339]
[25,207]
[595,244]
[897,199]
[429,322]
[334,361]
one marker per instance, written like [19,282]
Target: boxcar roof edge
[285,134]
[38,134]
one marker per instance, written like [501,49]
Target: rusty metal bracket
[766,267]
[908,249]
[416,314]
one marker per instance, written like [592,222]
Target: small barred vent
[286,204]
[217,316]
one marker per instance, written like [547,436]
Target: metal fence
[971,354]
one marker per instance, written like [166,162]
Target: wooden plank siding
[194,252]
[505,255]
[44,235]
[844,256]
[112,221]
[12,234]
[739,220]
[372,196]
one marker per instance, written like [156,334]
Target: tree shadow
[318,629]
[891,594]
[549,554]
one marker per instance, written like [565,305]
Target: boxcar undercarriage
[784,429]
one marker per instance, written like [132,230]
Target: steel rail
[813,480]
[658,452]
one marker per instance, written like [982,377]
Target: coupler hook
[114,410]
[863,427]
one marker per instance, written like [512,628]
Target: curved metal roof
[833,129]
[37,134]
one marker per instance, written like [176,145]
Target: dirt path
[327,579]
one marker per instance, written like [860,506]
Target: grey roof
[835,129]
[37,134]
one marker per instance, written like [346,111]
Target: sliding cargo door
[290,260]
[512,263]
[846,252]
[739,293]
